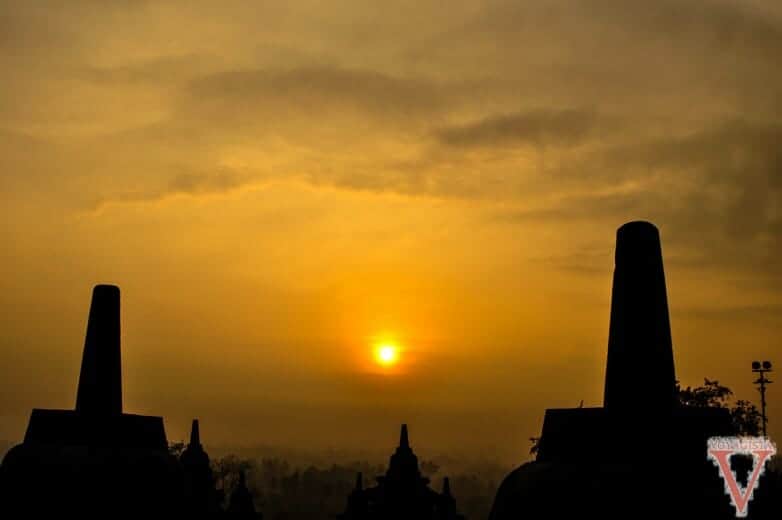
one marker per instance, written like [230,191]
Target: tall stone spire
[200,493]
[403,464]
[100,380]
[403,492]
[640,370]
[357,502]
[241,498]
[195,435]
[446,487]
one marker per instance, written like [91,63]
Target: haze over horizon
[279,189]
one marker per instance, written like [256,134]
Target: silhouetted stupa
[641,454]
[639,335]
[94,457]
[401,493]
[200,495]
[241,500]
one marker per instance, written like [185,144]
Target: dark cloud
[318,90]
[736,145]
[716,191]
[23,25]
[164,69]
[193,183]
[712,24]
[592,260]
[687,25]
[661,58]
[207,182]
[538,127]
[717,182]
[586,206]
[734,171]
[766,313]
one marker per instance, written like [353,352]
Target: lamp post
[762,368]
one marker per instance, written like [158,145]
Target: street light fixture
[762,368]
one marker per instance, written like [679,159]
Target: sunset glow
[330,218]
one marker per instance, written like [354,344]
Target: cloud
[22,25]
[733,170]
[672,57]
[539,127]
[688,25]
[716,193]
[191,183]
[724,24]
[319,90]
[202,182]
[408,115]
[585,206]
[586,260]
[764,313]
[168,69]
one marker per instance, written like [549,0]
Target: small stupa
[401,493]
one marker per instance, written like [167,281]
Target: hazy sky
[276,186]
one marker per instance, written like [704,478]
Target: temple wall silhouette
[641,453]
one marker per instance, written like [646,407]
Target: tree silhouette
[176,448]
[744,414]
[712,394]
[535,448]
[746,418]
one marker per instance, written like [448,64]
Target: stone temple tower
[403,492]
[95,458]
[642,453]
[100,379]
[639,337]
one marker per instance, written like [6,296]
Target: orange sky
[274,187]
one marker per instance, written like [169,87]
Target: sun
[387,354]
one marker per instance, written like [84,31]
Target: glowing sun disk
[387,354]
